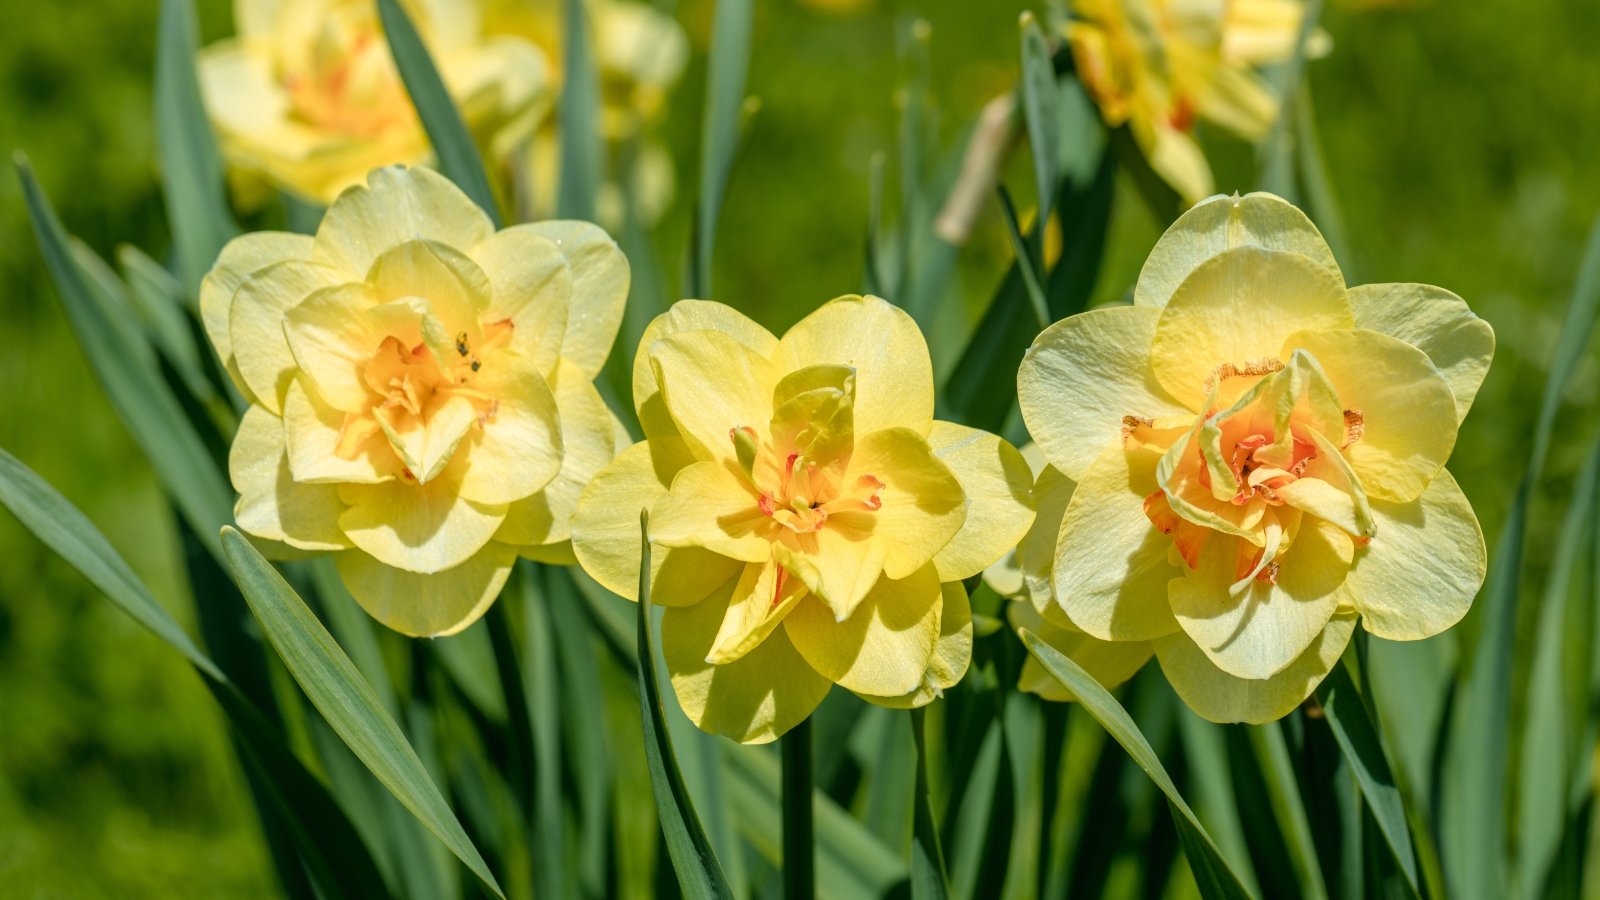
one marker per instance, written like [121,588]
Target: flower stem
[799,847]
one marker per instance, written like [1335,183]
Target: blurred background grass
[1460,139]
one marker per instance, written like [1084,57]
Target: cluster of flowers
[1230,474]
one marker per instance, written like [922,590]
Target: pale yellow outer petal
[588,443]
[255,325]
[999,489]
[1111,564]
[1219,697]
[1408,414]
[1221,223]
[711,505]
[1436,322]
[1109,662]
[241,257]
[952,655]
[312,429]
[427,605]
[1082,376]
[424,528]
[1264,628]
[923,504]
[839,564]
[1036,553]
[712,384]
[600,278]
[1419,574]
[1238,307]
[456,289]
[397,204]
[531,285]
[271,503]
[752,700]
[519,449]
[894,374]
[884,648]
[687,315]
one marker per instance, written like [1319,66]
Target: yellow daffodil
[1259,457]
[810,521]
[307,96]
[640,53]
[1159,66]
[1023,575]
[420,387]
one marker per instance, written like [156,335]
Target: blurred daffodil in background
[1259,456]
[420,389]
[810,520]
[1162,66]
[306,96]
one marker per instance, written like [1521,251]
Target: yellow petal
[1407,413]
[312,429]
[1420,572]
[763,596]
[894,375]
[1330,490]
[712,505]
[241,257]
[518,448]
[396,205]
[1221,223]
[951,655]
[531,285]
[1111,568]
[753,699]
[1254,630]
[1109,662]
[1219,697]
[333,336]
[1036,552]
[1082,376]
[271,503]
[1436,322]
[427,448]
[588,443]
[1237,308]
[255,323]
[999,489]
[923,504]
[1175,155]
[687,315]
[600,279]
[712,384]
[423,528]
[1239,100]
[839,564]
[427,605]
[884,647]
[455,288]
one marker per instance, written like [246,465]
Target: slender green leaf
[1025,260]
[799,813]
[452,143]
[1277,155]
[582,154]
[187,470]
[1211,871]
[345,700]
[1283,794]
[158,299]
[1023,722]
[719,139]
[1211,784]
[699,875]
[1320,200]
[543,691]
[1473,800]
[928,878]
[585,735]
[1040,114]
[192,173]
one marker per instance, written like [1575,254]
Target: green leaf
[1039,113]
[582,154]
[699,875]
[1211,871]
[1283,794]
[1473,816]
[542,690]
[1024,738]
[187,470]
[585,735]
[719,139]
[192,173]
[1277,154]
[1205,751]
[928,878]
[344,698]
[452,143]
[1025,260]
[159,300]
[799,813]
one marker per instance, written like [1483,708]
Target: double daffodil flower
[1258,454]
[810,521]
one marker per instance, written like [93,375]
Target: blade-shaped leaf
[719,139]
[582,154]
[192,174]
[1039,112]
[187,470]
[699,874]
[1283,794]
[928,879]
[335,687]
[452,143]
[1211,870]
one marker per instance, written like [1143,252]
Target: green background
[1459,136]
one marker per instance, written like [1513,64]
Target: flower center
[345,80]
[797,492]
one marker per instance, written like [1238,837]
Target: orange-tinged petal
[324,446]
